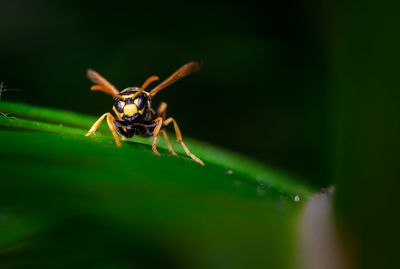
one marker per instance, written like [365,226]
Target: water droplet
[296,198]
[229,172]
[259,177]
[260,191]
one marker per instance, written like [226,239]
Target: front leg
[162,112]
[169,145]
[95,126]
[109,119]
[180,140]
[156,132]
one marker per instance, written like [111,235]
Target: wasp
[134,114]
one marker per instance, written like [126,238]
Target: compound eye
[139,102]
[119,105]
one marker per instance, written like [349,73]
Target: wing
[101,83]
[180,73]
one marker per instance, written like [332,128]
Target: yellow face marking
[141,111]
[130,110]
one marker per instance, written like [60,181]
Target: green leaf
[74,201]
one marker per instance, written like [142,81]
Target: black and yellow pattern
[134,115]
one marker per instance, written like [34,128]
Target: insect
[134,115]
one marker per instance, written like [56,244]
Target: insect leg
[162,112]
[109,119]
[110,123]
[180,140]
[170,148]
[96,125]
[156,132]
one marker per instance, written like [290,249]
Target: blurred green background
[262,90]
[311,88]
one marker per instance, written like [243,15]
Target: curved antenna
[144,86]
[178,74]
[102,84]
[148,81]
[102,88]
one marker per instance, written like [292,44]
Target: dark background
[262,90]
[306,87]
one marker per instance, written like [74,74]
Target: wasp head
[132,107]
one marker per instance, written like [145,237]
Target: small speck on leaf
[260,191]
[259,177]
